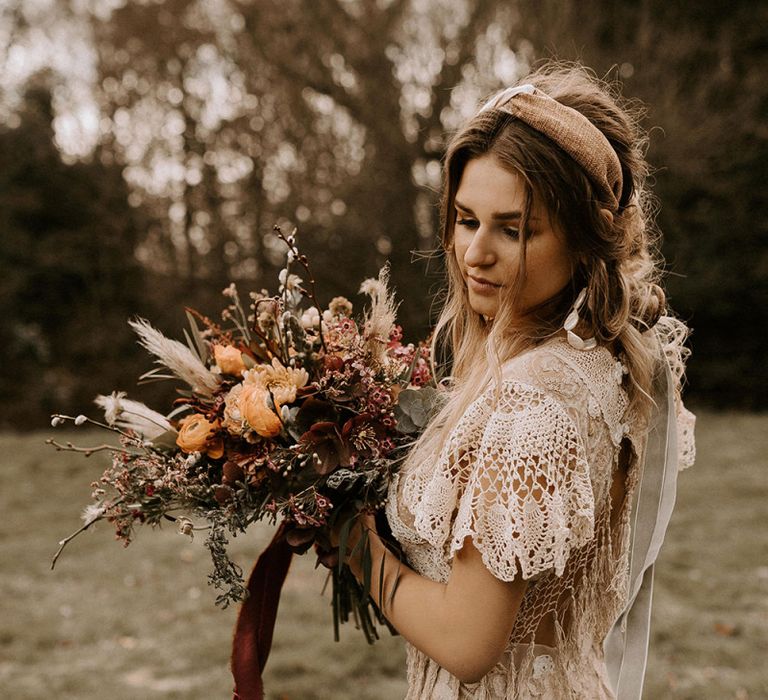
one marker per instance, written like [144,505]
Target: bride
[532,508]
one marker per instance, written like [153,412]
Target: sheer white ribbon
[626,646]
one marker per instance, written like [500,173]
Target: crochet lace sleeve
[528,499]
[672,334]
[686,421]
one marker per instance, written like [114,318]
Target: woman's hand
[464,623]
[362,522]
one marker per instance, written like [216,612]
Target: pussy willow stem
[63,543]
[259,333]
[311,293]
[88,451]
[112,428]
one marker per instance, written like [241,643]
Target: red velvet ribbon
[256,620]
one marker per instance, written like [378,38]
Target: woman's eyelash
[472,223]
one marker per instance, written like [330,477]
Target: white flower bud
[80,419]
[56,421]
[310,318]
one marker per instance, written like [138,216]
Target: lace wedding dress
[527,474]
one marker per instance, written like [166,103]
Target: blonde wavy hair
[614,256]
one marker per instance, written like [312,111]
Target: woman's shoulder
[555,365]
[581,380]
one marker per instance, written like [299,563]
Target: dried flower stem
[260,334]
[311,292]
[63,543]
[88,451]
[99,424]
[242,323]
[215,327]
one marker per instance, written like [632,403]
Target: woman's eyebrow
[497,215]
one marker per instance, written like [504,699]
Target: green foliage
[415,407]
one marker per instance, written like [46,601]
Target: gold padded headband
[570,130]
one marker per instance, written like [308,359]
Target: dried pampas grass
[177,357]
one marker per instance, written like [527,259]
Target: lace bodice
[527,474]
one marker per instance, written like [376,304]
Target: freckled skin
[488,249]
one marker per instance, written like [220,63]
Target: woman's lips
[479,285]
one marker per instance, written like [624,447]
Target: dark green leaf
[343,537]
[166,440]
[367,565]
[200,348]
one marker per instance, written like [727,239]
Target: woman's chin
[484,308]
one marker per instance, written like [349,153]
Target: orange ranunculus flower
[198,434]
[256,411]
[234,421]
[229,359]
[282,381]
[215,448]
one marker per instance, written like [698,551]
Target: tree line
[332,117]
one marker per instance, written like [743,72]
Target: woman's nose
[480,251]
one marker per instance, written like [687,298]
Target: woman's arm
[464,625]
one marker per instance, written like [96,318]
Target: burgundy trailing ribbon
[256,620]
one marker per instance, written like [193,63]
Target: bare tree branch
[294,52]
[482,16]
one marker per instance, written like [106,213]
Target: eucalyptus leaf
[404,423]
[418,406]
[419,414]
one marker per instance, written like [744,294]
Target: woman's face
[488,208]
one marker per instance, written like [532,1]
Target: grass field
[140,623]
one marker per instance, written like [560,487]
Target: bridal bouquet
[289,412]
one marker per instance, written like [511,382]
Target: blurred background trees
[148,148]
[68,275]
